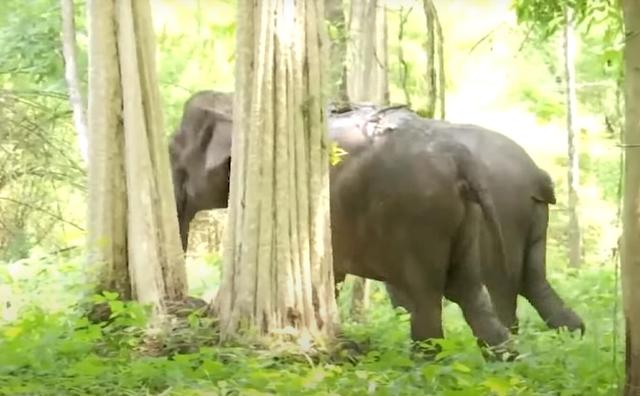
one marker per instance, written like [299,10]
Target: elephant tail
[473,173]
[482,196]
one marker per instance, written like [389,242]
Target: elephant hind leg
[422,289]
[472,296]
[505,302]
[426,323]
[399,298]
[537,289]
[464,285]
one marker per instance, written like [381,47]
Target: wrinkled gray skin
[405,210]
[522,193]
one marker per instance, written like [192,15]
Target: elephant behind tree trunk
[520,191]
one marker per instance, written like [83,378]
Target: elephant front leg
[537,290]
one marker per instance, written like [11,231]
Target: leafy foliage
[40,175]
[48,352]
[546,17]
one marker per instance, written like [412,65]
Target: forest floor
[49,348]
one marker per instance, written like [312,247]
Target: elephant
[405,209]
[522,193]
[200,157]
[521,190]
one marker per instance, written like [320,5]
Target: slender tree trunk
[367,79]
[277,268]
[334,13]
[404,66]
[435,52]
[432,78]
[133,235]
[107,191]
[572,143]
[71,75]
[631,214]
[442,88]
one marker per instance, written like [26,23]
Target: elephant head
[200,154]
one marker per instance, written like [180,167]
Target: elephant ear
[219,147]
[544,190]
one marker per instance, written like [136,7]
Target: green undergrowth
[60,352]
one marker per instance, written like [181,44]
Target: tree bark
[572,140]
[442,88]
[334,13]
[277,267]
[631,206]
[435,75]
[432,78]
[107,233]
[140,216]
[404,66]
[367,79]
[71,76]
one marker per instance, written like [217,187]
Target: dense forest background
[501,73]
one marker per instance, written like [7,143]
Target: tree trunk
[360,288]
[572,143]
[442,88]
[277,267]
[367,79]
[133,235]
[432,78]
[404,66]
[107,191]
[631,216]
[435,75]
[71,75]
[334,14]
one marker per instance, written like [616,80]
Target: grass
[50,349]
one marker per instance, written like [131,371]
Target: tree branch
[71,75]
[53,215]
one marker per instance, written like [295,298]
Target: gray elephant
[521,190]
[522,193]
[405,209]
[200,156]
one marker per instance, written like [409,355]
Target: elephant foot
[504,352]
[567,319]
[425,350]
